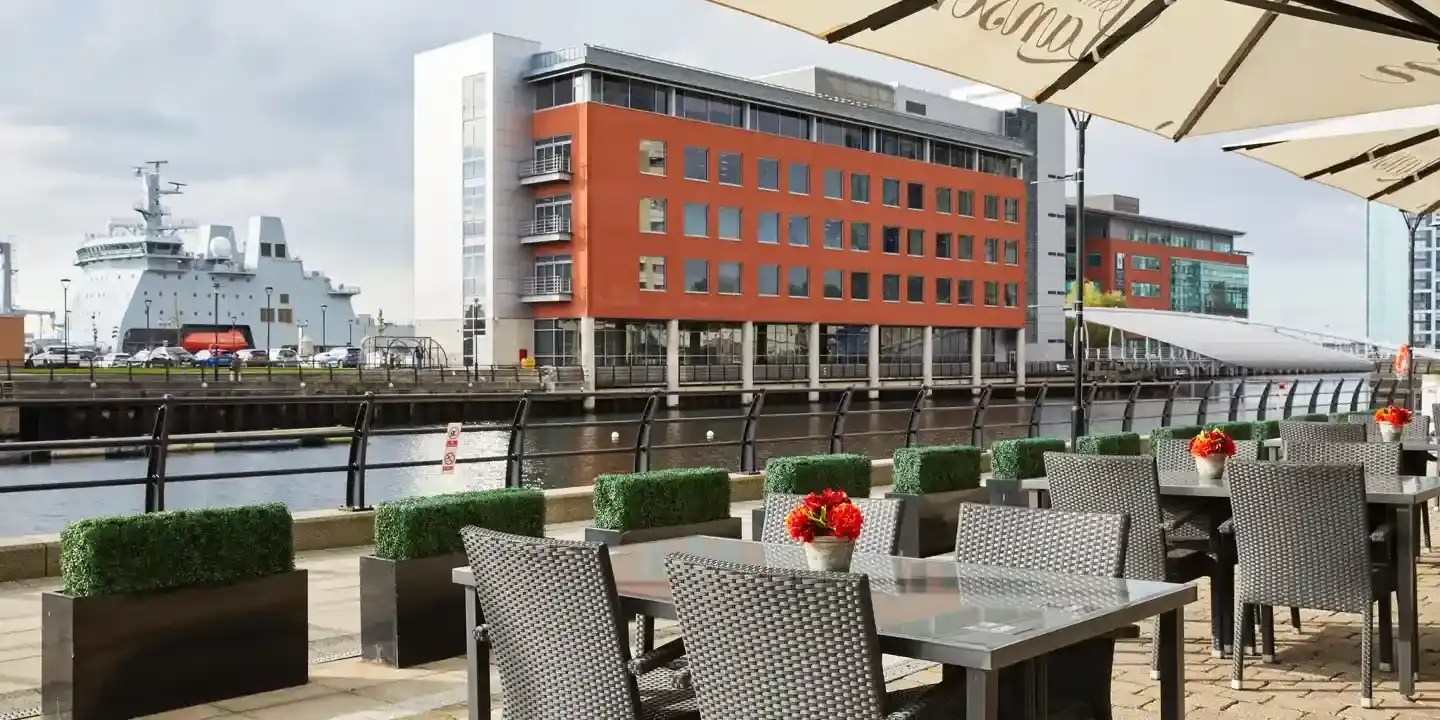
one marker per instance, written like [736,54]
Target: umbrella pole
[1412,223]
[1081,120]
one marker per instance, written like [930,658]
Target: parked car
[139,357]
[55,356]
[283,357]
[253,357]
[211,358]
[168,356]
[112,360]
[341,357]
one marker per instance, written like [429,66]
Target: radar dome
[222,248]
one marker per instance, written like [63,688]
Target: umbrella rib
[1134,25]
[1228,71]
[1425,172]
[1378,153]
[1411,10]
[888,15]
[1332,12]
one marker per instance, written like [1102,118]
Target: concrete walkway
[1316,674]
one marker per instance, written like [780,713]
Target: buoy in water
[709,434]
[614,437]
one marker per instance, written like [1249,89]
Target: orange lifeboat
[228,340]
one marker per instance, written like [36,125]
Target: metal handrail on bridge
[158,443]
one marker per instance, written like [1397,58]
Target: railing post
[1289,400]
[1264,402]
[1355,394]
[837,422]
[977,420]
[1090,393]
[359,449]
[1202,412]
[1033,430]
[1169,409]
[159,454]
[1335,396]
[1237,398]
[1127,420]
[749,455]
[912,424]
[1315,399]
[1390,394]
[515,453]
[642,434]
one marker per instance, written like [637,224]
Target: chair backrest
[1115,485]
[1417,429]
[554,625]
[1076,543]
[1307,431]
[1378,458]
[1174,455]
[772,643]
[1301,535]
[879,535]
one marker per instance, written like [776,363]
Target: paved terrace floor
[1315,675]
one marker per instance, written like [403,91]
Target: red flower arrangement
[1212,442]
[825,514]
[1393,415]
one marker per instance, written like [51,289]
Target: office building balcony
[545,230]
[542,171]
[545,289]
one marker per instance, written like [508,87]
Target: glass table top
[1379,489]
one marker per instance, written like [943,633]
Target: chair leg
[1367,673]
[1295,618]
[1237,658]
[1248,634]
[1387,634]
[1267,633]
[1425,524]
[1219,610]
[1155,649]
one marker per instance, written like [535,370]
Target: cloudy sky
[301,108]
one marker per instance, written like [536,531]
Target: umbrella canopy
[1172,67]
[1391,158]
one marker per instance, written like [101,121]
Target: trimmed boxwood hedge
[1265,430]
[148,553]
[804,474]
[661,498]
[1125,443]
[426,526]
[1353,417]
[1312,417]
[1175,432]
[936,469]
[1237,430]
[1022,459]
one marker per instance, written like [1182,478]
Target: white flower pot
[1390,432]
[1211,467]
[829,554]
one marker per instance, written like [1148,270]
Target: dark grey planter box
[410,611]
[929,522]
[726,528]
[117,657]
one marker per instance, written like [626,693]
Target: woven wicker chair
[773,644]
[1185,522]
[553,622]
[1315,554]
[1418,429]
[1307,431]
[880,535]
[1129,486]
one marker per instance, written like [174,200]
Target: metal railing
[363,373]
[545,226]
[545,166]
[1210,407]
[545,286]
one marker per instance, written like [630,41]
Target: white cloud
[302,109]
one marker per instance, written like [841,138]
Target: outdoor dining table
[978,618]
[1402,495]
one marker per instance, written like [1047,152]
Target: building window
[942,291]
[942,246]
[843,134]
[914,107]
[992,207]
[890,240]
[554,92]
[697,276]
[859,187]
[731,165]
[915,196]
[652,157]
[965,247]
[727,278]
[285,315]
[727,223]
[833,285]
[697,220]
[1144,262]
[557,342]
[1093,260]
[779,122]
[767,172]
[1012,210]
[797,282]
[768,230]
[890,192]
[769,280]
[859,285]
[834,184]
[1012,294]
[1012,252]
[899,145]
[797,230]
[965,203]
[697,163]
[944,200]
[652,215]
[992,250]
[890,288]
[915,243]
[992,293]
[914,289]
[1144,289]
[627,93]
[799,179]
[652,272]
[709,108]
[964,292]
[860,236]
[834,234]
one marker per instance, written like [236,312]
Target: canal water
[876,434]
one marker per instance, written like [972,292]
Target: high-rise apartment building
[1160,264]
[657,224]
[1387,277]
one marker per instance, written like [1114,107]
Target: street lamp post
[94,332]
[323,343]
[65,315]
[1081,120]
[1412,223]
[269,318]
[215,346]
[147,324]
[350,332]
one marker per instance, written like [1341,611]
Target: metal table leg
[1407,646]
[477,661]
[982,694]
[1172,665]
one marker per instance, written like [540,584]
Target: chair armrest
[1176,520]
[657,658]
[1383,533]
[481,634]
[1227,527]
[927,702]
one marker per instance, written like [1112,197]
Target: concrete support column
[672,362]
[874,362]
[1020,357]
[814,373]
[976,346]
[587,358]
[747,359]
[927,355]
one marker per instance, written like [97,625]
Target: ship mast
[151,209]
